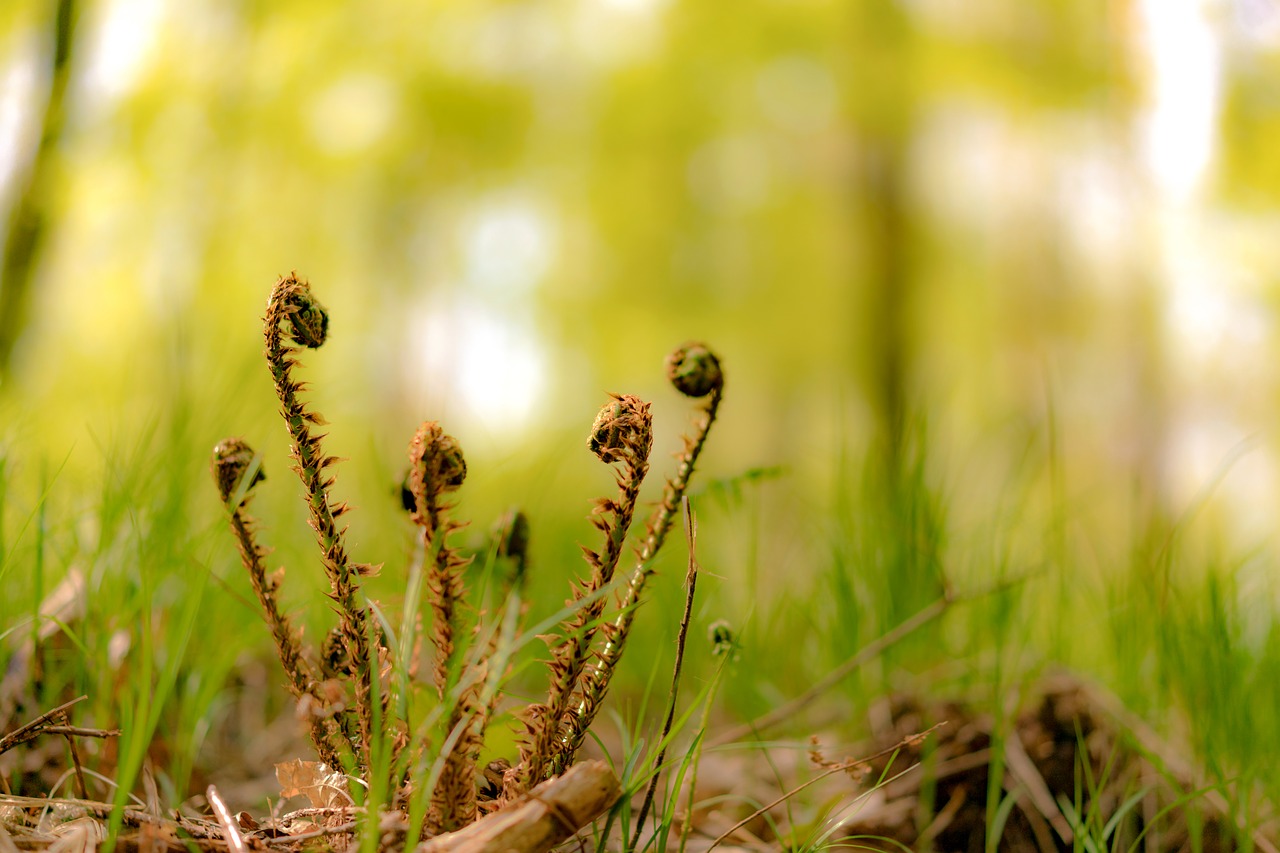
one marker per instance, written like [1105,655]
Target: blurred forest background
[1021,257]
[1048,217]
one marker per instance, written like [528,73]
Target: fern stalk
[292,302]
[437,466]
[695,371]
[232,461]
[623,432]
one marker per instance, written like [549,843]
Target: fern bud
[623,428]
[451,476]
[694,370]
[308,320]
[723,640]
[512,534]
[453,465]
[232,458]
[436,465]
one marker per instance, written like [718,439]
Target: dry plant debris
[1070,753]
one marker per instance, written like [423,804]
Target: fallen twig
[543,818]
[867,653]
[132,816]
[230,832]
[1024,771]
[36,727]
[842,767]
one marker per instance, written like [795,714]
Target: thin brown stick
[842,767]
[132,815]
[36,727]
[319,832]
[690,583]
[81,788]
[77,731]
[909,781]
[867,653]
[943,819]
[1028,776]
[321,811]
[230,832]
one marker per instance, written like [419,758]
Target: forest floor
[1073,771]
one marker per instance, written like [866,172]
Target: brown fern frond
[695,371]
[437,466]
[292,304]
[622,432]
[233,460]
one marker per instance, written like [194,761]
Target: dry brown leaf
[81,835]
[6,840]
[324,788]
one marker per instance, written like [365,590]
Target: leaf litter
[1073,751]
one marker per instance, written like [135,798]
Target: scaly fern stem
[291,300]
[659,525]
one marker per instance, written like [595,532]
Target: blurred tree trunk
[29,220]
[882,76]
[905,526]
[889,284]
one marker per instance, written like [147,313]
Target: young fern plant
[436,467]
[622,433]
[236,470]
[342,687]
[695,371]
[293,304]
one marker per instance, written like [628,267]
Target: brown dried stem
[545,818]
[841,767]
[54,722]
[233,460]
[292,301]
[690,587]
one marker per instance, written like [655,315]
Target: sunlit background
[1046,230]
